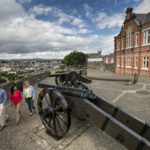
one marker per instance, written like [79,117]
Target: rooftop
[142,18]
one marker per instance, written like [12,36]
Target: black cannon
[69,78]
[56,103]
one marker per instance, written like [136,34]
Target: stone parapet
[100,66]
[32,79]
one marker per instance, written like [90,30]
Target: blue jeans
[30,104]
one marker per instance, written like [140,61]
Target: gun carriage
[69,78]
[57,103]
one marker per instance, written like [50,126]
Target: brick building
[108,59]
[132,45]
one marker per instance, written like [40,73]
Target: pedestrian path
[30,133]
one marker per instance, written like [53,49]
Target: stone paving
[112,75]
[30,133]
[126,96]
[44,141]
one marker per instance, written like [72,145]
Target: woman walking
[16,98]
[28,95]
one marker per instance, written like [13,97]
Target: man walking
[3,116]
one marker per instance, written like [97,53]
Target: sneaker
[30,114]
[17,123]
[2,128]
[34,111]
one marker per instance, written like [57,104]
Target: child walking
[16,98]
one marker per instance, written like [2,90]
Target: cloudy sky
[54,28]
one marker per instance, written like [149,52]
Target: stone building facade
[132,45]
[94,57]
[96,61]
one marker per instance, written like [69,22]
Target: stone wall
[81,71]
[33,80]
[100,66]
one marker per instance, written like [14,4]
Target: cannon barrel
[70,91]
[59,74]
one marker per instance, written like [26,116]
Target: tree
[2,80]
[75,58]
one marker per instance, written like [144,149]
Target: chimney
[129,13]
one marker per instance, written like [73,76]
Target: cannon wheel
[60,80]
[54,113]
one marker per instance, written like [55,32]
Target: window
[122,61]
[146,37]
[122,46]
[135,61]
[112,60]
[145,61]
[128,37]
[136,39]
[118,61]
[128,61]
[106,60]
[118,44]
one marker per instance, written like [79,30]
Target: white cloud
[9,10]
[105,21]
[104,43]
[143,7]
[38,10]
[27,34]
[60,16]
[24,36]
[88,10]
[47,55]
[24,1]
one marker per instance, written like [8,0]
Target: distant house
[5,69]
[12,72]
[108,59]
[94,57]
[132,45]
[55,63]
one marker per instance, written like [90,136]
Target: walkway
[30,133]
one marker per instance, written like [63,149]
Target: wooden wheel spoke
[57,116]
[60,127]
[51,98]
[54,102]
[60,113]
[57,108]
[59,81]
[45,104]
[54,123]
[49,122]
[47,100]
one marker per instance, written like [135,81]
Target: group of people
[16,96]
